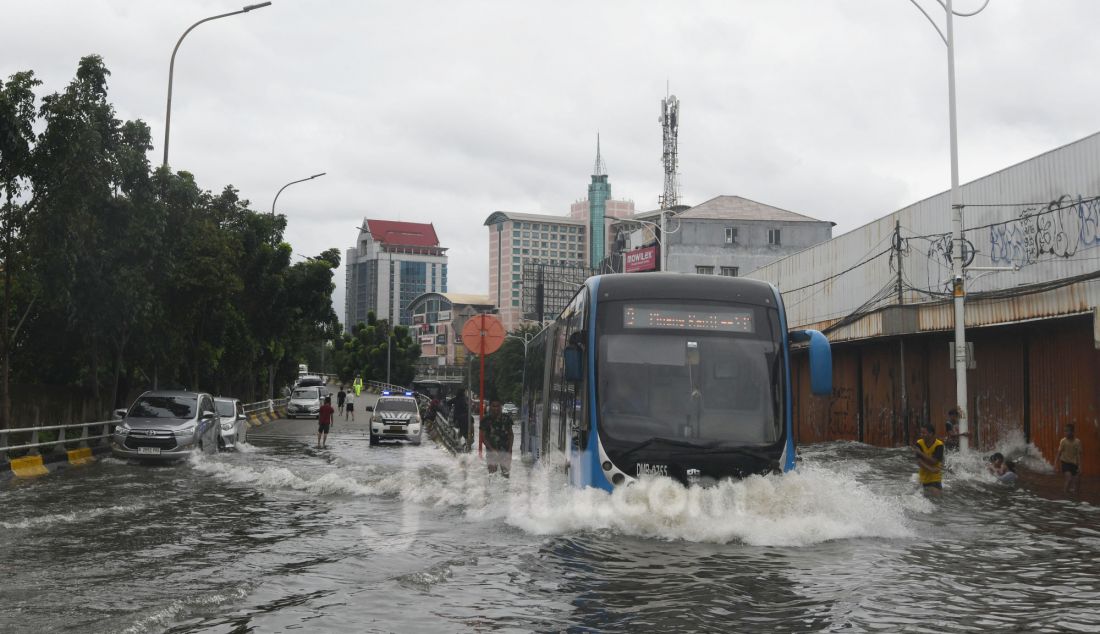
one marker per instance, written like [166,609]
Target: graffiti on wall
[1059,229]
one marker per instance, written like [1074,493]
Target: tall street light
[957,221]
[172,67]
[300,180]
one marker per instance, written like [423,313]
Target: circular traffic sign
[483,334]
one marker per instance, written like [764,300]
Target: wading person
[951,430]
[460,416]
[498,439]
[324,422]
[929,454]
[349,410]
[1069,456]
[341,397]
[1005,470]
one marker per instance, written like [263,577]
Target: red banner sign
[640,260]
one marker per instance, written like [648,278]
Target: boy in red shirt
[324,422]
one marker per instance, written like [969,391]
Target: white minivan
[305,402]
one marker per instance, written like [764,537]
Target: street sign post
[482,335]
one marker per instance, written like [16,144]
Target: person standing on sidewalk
[324,422]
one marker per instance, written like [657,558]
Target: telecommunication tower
[670,125]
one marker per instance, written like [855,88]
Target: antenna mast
[670,126]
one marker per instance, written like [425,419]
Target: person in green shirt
[499,437]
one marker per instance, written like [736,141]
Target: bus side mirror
[821,360]
[574,368]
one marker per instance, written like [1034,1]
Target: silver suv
[166,424]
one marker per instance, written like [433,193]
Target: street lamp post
[172,67]
[300,180]
[957,255]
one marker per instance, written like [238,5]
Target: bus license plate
[149,450]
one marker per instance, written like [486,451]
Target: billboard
[547,288]
[444,315]
[640,260]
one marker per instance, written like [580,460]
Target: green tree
[17,117]
[119,275]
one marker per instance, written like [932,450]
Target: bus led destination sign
[688,318]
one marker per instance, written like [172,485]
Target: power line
[845,271]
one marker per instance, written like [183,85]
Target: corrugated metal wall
[1031,380]
[1062,365]
[882,410]
[1049,238]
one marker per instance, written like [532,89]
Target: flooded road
[281,536]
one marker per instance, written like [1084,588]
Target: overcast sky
[445,111]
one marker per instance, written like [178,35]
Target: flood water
[282,537]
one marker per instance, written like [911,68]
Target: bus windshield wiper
[745,451]
[655,440]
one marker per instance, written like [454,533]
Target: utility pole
[957,239]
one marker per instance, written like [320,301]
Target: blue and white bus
[685,376]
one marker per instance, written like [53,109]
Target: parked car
[304,401]
[509,408]
[396,418]
[166,425]
[234,424]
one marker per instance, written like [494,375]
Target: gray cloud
[445,111]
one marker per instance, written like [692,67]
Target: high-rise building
[515,239]
[392,263]
[558,246]
[599,209]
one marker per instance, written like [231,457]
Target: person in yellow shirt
[357,385]
[929,454]
[1069,455]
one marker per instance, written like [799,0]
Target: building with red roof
[392,263]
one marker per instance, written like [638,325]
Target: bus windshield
[700,374]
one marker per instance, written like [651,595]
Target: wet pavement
[282,536]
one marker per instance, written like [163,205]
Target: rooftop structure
[392,263]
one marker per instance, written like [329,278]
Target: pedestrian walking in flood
[1069,457]
[498,439]
[460,415]
[324,422]
[929,454]
[341,397]
[349,410]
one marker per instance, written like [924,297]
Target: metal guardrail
[442,427]
[84,438]
[35,442]
[269,405]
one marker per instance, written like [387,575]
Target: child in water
[1004,470]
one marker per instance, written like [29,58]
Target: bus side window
[578,341]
